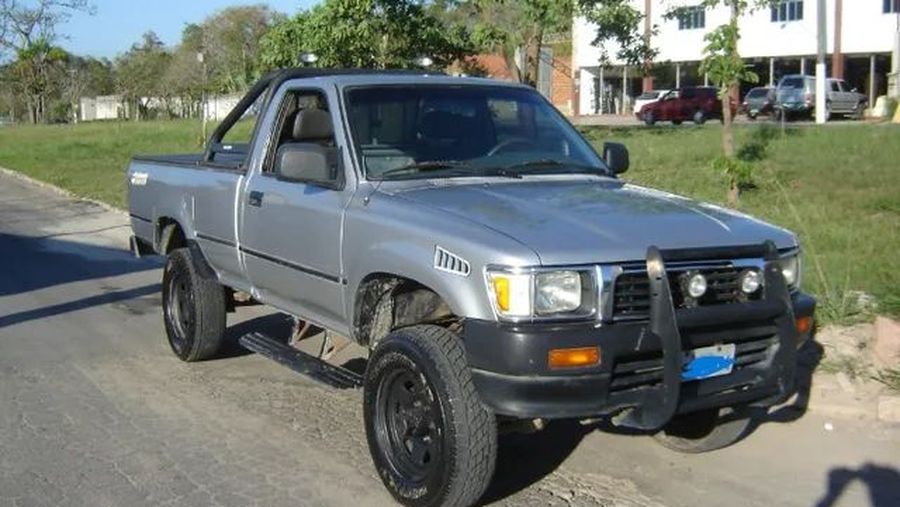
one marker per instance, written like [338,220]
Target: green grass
[838,187]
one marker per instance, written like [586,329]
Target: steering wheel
[513,141]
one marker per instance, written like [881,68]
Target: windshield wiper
[425,166]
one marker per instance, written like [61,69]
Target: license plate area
[708,362]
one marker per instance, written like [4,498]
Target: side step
[301,362]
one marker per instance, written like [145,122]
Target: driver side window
[305,150]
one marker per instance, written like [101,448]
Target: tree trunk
[533,56]
[734,191]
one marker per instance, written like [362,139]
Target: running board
[301,362]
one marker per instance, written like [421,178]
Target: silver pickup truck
[491,264]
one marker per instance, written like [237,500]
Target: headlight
[541,293]
[557,292]
[790,267]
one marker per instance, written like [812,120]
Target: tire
[858,111]
[699,117]
[706,430]
[193,308]
[751,116]
[828,111]
[418,393]
[677,122]
[649,119]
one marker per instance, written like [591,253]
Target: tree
[365,33]
[619,22]
[517,28]
[138,74]
[27,31]
[230,42]
[23,24]
[723,63]
[37,71]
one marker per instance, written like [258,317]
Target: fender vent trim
[448,262]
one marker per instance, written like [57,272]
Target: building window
[891,6]
[691,18]
[787,10]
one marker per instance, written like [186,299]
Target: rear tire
[706,430]
[432,440]
[193,308]
[699,117]
[676,122]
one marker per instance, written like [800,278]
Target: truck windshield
[444,131]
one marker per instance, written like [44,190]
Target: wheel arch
[385,301]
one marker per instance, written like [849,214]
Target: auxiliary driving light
[573,358]
[696,285]
[751,281]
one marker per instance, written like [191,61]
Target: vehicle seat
[313,132]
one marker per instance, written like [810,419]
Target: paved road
[95,411]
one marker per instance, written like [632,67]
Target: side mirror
[616,157]
[308,163]
[854,90]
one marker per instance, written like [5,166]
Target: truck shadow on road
[28,264]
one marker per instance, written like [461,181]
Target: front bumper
[641,362]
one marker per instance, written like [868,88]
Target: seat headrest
[313,125]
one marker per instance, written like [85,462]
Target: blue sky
[118,24]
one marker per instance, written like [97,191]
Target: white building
[107,107]
[777,41]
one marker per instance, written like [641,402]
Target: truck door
[293,206]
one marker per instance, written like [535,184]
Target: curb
[60,191]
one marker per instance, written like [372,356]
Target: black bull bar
[661,402]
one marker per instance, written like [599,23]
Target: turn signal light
[574,358]
[804,324]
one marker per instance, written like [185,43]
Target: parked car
[759,101]
[489,262]
[796,97]
[647,98]
[694,103]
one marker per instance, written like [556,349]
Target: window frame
[890,7]
[692,18]
[267,168]
[787,11]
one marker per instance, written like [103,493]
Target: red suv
[696,103]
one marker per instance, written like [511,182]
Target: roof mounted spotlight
[307,58]
[423,62]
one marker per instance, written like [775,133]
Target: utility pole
[820,62]
[201,58]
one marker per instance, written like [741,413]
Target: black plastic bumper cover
[509,361]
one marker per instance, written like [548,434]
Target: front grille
[646,371]
[631,293]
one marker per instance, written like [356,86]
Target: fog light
[750,281]
[696,285]
[574,358]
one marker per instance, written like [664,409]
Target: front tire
[649,119]
[193,308]
[432,440]
[706,430]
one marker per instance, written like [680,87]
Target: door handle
[255,199]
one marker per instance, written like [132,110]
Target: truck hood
[582,220]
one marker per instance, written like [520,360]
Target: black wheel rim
[180,312]
[409,425]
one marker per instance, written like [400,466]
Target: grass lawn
[837,186]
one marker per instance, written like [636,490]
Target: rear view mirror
[616,157]
[308,163]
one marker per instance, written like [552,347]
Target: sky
[117,24]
